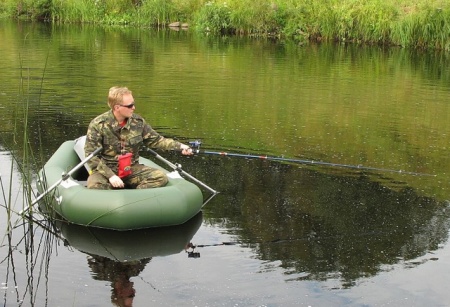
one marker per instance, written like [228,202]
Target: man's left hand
[186,150]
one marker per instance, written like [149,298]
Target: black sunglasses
[129,106]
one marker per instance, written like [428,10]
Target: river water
[278,234]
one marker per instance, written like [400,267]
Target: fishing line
[196,148]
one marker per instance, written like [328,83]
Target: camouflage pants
[142,177]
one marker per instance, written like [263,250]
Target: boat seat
[79,149]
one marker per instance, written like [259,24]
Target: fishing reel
[195,145]
[193,254]
[190,250]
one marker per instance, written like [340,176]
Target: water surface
[278,234]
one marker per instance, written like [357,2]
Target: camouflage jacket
[104,131]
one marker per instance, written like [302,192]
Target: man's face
[127,107]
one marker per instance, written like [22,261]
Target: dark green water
[278,234]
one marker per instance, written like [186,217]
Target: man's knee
[155,179]
[98,182]
[99,186]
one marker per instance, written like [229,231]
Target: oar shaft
[311,162]
[179,169]
[63,177]
[48,190]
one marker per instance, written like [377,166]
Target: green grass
[417,24]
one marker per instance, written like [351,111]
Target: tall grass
[23,160]
[26,246]
[357,21]
[157,12]
[7,197]
[418,24]
[426,27]
[75,11]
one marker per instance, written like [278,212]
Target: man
[120,133]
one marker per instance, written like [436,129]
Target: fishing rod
[190,248]
[196,148]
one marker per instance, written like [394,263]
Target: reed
[156,12]
[23,240]
[75,11]
[23,160]
[7,198]
[356,21]
[425,27]
[255,17]
[15,162]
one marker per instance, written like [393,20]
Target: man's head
[121,101]
[115,96]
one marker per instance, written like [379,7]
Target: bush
[214,18]
[29,9]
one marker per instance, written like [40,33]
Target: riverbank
[417,24]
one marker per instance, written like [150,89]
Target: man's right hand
[116,182]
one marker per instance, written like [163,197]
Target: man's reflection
[119,274]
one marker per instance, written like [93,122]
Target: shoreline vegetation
[420,24]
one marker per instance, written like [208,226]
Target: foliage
[214,18]
[428,28]
[184,10]
[257,16]
[157,12]
[29,9]
[422,24]
[76,11]
[358,21]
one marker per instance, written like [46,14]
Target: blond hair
[115,96]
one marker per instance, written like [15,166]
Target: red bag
[125,165]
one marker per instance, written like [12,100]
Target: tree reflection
[326,224]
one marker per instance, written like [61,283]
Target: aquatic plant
[26,245]
[156,12]
[77,11]
[425,27]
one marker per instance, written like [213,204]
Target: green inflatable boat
[124,209]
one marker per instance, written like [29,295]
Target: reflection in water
[118,256]
[344,104]
[119,274]
[125,246]
[30,252]
[113,256]
[325,225]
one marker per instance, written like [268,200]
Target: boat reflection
[125,246]
[118,256]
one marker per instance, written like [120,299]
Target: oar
[64,177]
[196,149]
[177,167]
